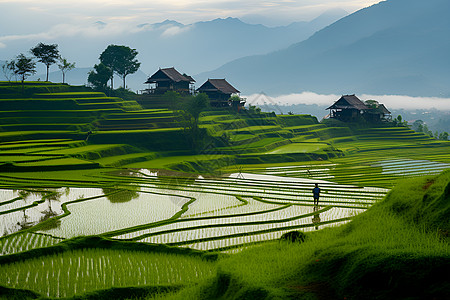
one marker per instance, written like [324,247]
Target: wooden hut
[169,79]
[350,108]
[219,92]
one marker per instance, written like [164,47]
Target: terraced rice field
[76,272]
[212,213]
[59,160]
[25,242]
[383,169]
[200,213]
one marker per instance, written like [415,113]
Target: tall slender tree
[24,67]
[65,66]
[122,60]
[189,115]
[8,69]
[46,54]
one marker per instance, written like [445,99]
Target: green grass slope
[398,249]
[50,111]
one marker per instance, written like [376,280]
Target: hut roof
[169,74]
[349,102]
[213,85]
[383,109]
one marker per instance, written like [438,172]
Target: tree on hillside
[99,77]
[399,122]
[418,125]
[122,60]
[8,69]
[426,130]
[46,54]
[372,104]
[443,136]
[172,99]
[196,104]
[235,102]
[24,67]
[65,66]
[189,115]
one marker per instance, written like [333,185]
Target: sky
[19,18]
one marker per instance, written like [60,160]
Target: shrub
[294,237]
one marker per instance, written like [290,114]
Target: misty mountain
[394,47]
[192,48]
[207,45]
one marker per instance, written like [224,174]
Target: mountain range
[393,47]
[396,47]
[191,48]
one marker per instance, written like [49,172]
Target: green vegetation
[413,243]
[65,66]
[89,264]
[46,54]
[23,67]
[76,162]
[100,76]
[90,270]
[385,253]
[120,60]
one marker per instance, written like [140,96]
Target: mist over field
[435,112]
[390,101]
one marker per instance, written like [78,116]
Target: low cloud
[70,30]
[303,98]
[412,103]
[174,30]
[391,101]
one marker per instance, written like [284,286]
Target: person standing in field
[316,194]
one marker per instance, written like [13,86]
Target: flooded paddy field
[214,213]
[246,205]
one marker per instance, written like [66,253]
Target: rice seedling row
[251,207]
[235,225]
[292,226]
[196,223]
[79,271]
[175,223]
[399,167]
[25,241]
[293,195]
[246,185]
[238,243]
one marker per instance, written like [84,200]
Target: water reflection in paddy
[236,204]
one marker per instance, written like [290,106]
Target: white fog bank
[390,101]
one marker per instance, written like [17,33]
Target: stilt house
[350,108]
[219,92]
[169,79]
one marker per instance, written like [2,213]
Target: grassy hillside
[53,126]
[74,162]
[44,114]
[398,249]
